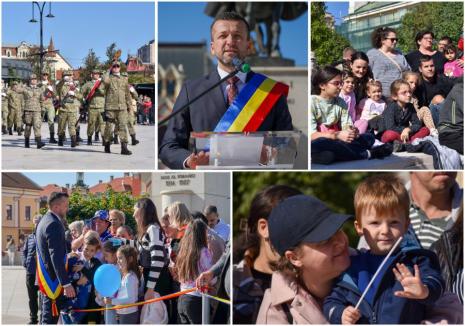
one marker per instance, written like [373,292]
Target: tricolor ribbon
[252,105]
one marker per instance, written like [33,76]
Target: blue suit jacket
[51,244]
[204,115]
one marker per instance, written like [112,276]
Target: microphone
[239,66]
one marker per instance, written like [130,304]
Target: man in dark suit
[51,245]
[230,39]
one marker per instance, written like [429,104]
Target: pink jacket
[303,307]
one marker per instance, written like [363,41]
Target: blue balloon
[107,280]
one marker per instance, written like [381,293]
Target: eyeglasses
[115,66]
[336,83]
[392,39]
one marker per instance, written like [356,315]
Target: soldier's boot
[20,131]
[115,139]
[26,142]
[89,141]
[10,131]
[39,143]
[124,149]
[4,130]
[134,140]
[73,141]
[52,138]
[78,136]
[97,138]
[60,140]
[107,147]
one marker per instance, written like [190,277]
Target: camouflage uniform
[132,116]
[95,109]
[117,102]
[15,109]
[49,108]
[67,115]
[33,97]
[4,113]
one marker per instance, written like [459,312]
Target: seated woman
[334,138]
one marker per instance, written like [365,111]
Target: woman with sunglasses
[334,138]
[386,63]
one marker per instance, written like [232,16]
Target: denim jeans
[435,109]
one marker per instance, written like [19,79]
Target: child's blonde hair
[384,193]
[92,239]
[408,73]
[395,86]
[373,83]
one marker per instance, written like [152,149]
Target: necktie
[232,89]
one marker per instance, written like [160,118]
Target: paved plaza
[82,157]
[15,308]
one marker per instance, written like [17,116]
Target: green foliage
[442,18]
[326,44]
[141,78]
[91,62]
[336,189]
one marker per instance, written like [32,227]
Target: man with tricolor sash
[51,258]
[247,102]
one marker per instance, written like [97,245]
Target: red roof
[134,65]
[48,189]
[124,184]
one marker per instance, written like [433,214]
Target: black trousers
[32,293]
[452,140]
[190,309]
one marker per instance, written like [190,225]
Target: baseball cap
[302,218]
[101,214]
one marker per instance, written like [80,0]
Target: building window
[28,213]
[9,212]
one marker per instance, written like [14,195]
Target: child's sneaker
[398,146]
[380,152]
[434,132]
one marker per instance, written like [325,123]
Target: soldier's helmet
[45,73]
[14,83]
[67,73]
[33,76]
[96,71]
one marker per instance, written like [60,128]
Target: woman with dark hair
[386,63]
[424,41]
[359,65]
[333,136]
[150,243]
[252,275]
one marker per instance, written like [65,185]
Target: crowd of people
[297,267]
[180,251]
[371,104]
[110,105]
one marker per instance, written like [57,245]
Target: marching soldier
[15,108]
[4,112]
[33,97]
[70,101]
[95,104]
[47,105]
[117,102]
[132,115]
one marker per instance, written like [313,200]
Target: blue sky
[338,10]
[62,178]
[186,22]
[80,26]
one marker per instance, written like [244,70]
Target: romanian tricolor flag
[252,105]
[51,288]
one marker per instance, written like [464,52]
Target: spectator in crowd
[76,228]
[359,66]
[424,41]
[29,262]
[216,223]
[252,275]
[453,67]
[124,231]
[451,119]
[215,243]
[11,250]
[443,42]
[116,219]
[386,63]
[344,64]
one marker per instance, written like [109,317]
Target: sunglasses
[393,39]
[336,83]
[116,66]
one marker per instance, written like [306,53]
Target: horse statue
[256,13]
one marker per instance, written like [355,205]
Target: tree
[326,44]
[91,62]
[442,18]
[111,51]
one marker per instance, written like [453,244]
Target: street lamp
[41,11]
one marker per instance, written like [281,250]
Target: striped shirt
[152,243]
[429,231]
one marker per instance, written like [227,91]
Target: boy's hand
[412,284]
[350,316]
[404,136]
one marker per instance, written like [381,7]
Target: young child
[452,67]
[125,232]
[400,118]
[372,106]
[128,291]
[409,281]
[193,259]
[423,113]
[347,93]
